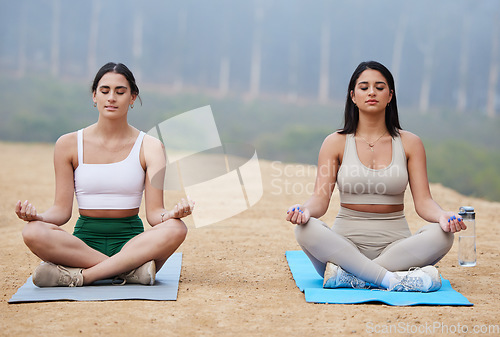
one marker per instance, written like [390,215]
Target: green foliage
[297,143]
[36,109]
[462,152]
[469,169]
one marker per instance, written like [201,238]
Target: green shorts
[107,235]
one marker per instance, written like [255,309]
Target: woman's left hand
[182,209]
[451,222]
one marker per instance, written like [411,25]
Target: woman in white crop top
[108,165]
[371,160]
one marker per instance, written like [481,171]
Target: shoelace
[348,278]
[123,277]
[66,278]
[409,283]
[124,280]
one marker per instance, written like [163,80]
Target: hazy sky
[441,52]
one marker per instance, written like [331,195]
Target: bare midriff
[369,208]
[109,213]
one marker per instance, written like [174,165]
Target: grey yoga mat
[164,289]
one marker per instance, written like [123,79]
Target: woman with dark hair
[108,166]
[372,160]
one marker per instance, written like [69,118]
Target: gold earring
[132,106]
[95,104]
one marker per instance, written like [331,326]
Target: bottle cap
[467,212]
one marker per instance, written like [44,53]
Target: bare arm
[155,162]
[328,164]
[425,206]
[60,212]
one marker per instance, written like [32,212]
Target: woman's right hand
[26,211]
[297,215]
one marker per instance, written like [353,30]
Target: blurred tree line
[462,151]
[444,54]
[274,71]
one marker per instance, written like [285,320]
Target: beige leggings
[370,244]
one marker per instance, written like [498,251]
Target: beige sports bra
[359,184]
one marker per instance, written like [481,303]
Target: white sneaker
[336,277]
[425,279]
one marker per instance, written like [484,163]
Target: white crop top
[110,186]
[359,184]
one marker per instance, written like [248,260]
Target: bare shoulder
[66,149]
[333,147]
[67,143]
[152,152]
[67,139]
[409,138]
[411,142]
[152,144]
[334,143]
[335,140]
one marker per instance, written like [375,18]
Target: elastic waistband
[91,227]
[124,219]
[349,213]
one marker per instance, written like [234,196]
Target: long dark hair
[351,111]
[118,68]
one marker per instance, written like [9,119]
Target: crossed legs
[53,244]
[321,244]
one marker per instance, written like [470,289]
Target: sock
[386,281]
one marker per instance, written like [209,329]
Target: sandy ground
[235,279]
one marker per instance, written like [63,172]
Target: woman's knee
[307,232]
[300,232]
[33,233]
[176,230]
[448,239]
[439,237]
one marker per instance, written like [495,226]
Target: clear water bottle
[467,238]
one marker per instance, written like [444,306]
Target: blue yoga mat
[309,282]
[164,289]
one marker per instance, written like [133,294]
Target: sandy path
[235,280]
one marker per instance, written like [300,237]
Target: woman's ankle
[386,281]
